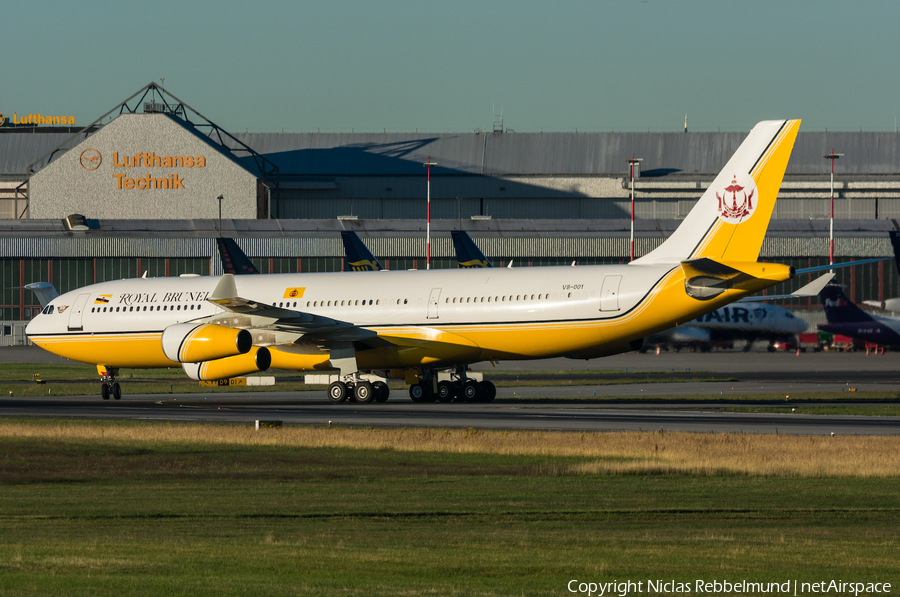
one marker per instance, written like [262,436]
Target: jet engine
[196,342]
[257,359]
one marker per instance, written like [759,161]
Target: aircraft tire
[471,391]
[337,392]
[421,392]
[364,392]
[445,392]
[489,391]
[116,391]
[104,391]
[382,391]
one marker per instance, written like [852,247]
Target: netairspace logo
[723,587]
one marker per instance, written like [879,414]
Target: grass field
[101,508]
[869,410]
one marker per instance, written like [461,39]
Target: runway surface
[315,410]
[755,373]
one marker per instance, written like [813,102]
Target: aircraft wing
[308,327]
[810,290]
[286,320]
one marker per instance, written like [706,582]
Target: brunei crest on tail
[737,212]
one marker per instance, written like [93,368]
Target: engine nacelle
[257,359]
[197,342]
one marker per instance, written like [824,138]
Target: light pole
[428,165]
[220,197]
[831,156]
[633,162]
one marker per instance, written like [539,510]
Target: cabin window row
[350,303]
[499,299]
[144,308]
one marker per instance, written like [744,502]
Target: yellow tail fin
[730,220]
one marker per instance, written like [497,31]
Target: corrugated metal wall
[414,247]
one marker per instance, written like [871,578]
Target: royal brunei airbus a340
[412,324]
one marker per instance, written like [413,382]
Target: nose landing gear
[109,387]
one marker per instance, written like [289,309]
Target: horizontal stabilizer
[822,268]
[707,278]
[810,290]
[708,267]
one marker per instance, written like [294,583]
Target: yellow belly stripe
[113,350]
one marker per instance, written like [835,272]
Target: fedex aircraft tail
[359,258]
[838,308]
[729,221]
[467,252]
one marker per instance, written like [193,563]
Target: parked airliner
[846,318]
[411,324]
[748,322]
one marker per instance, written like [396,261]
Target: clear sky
[404,65]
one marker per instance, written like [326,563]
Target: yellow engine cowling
[257,359]
[197,342]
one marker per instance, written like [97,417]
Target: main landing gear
[456,389]
[358,390]
[109,387]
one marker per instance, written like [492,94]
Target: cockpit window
[789,315]
[48,310]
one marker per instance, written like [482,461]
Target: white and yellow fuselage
[435,318]
[430,317]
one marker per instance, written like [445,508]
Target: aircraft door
[609,293]
[433,303]
[78,311]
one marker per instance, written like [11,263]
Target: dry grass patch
[597,453]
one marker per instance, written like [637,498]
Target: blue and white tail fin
[729,221]
[468,255]
[359,258]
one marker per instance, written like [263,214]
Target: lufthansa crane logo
[2,119]
[90,159]
[738,200]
